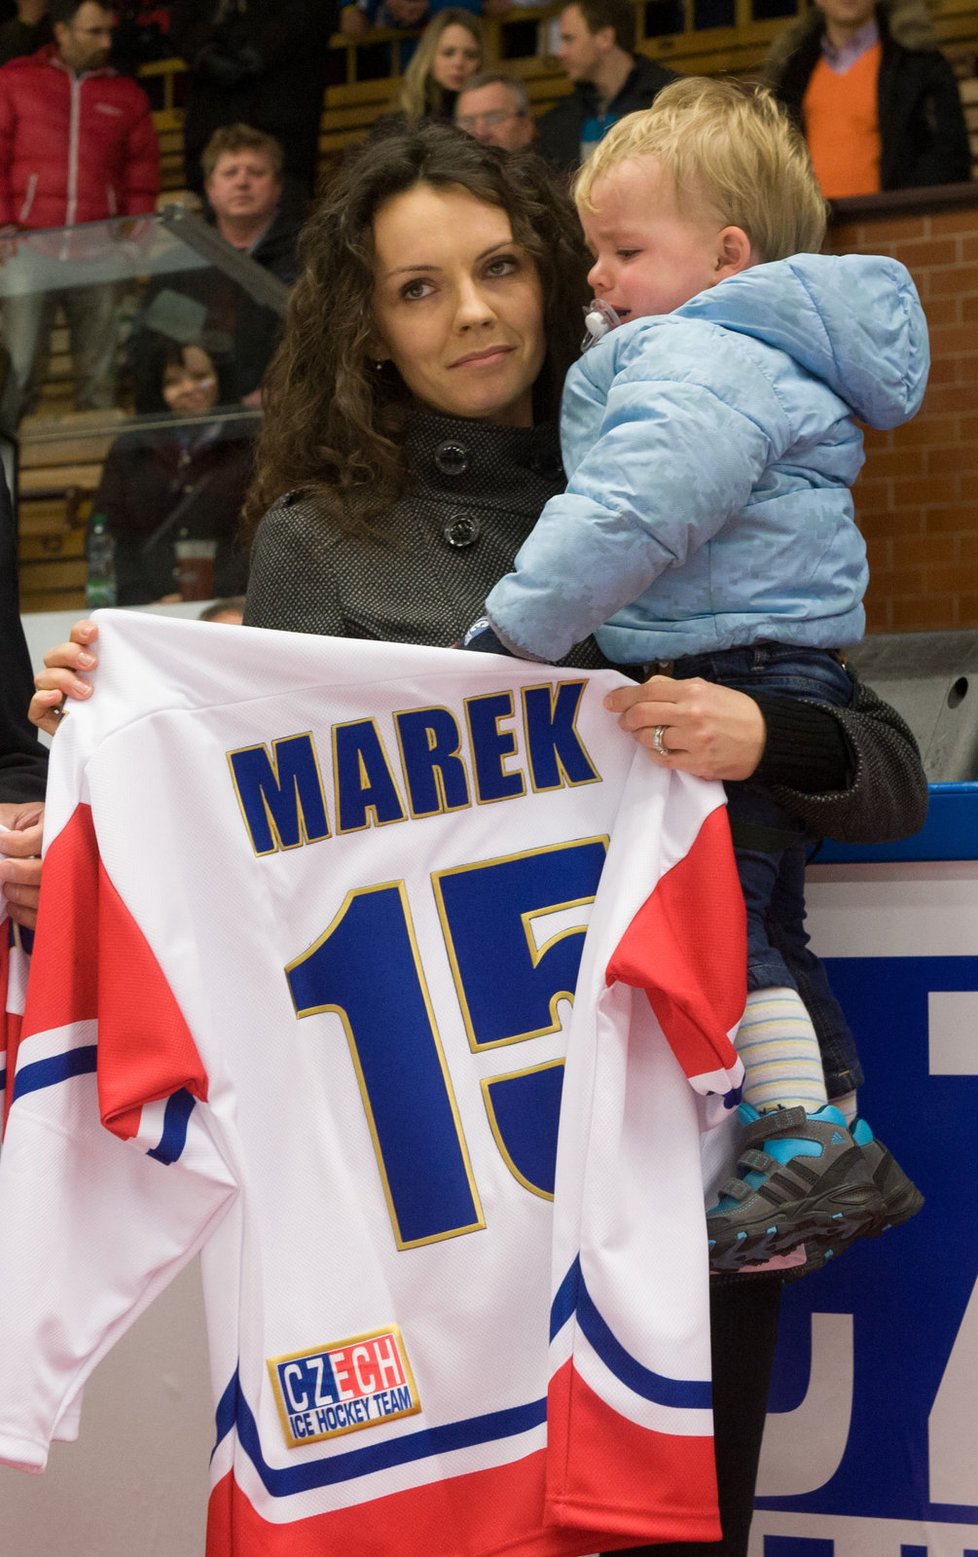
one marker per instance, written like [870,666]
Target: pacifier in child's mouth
[599,318]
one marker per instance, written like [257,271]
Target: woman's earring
[378,367]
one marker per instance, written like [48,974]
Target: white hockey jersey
[312,918]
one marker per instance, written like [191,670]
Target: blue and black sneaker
[900,1196]
[804,1180]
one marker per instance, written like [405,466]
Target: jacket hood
[908,22]
[852,320]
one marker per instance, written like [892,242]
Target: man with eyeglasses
[495,109]
[77,144]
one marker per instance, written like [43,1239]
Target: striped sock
[777,1043]
[848,1105]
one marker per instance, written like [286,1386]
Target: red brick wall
[917,498]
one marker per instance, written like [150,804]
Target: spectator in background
[495,109]
[258,62]
[26,32]
[610,81]
[243,183]
[161,484]
[242,173]
[77,144]
[242,170]
[449,53]
[877,101]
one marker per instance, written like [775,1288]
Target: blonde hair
[728,144]
[420,96]
[240,137]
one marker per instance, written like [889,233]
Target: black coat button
[462,531]
[452,458]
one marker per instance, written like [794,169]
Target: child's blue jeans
[772,848]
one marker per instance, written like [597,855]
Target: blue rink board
[908,1291]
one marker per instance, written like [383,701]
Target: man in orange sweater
[878,102]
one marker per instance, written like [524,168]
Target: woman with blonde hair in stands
[450,51]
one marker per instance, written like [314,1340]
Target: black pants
[744,1320]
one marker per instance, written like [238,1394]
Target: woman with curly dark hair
[409,436]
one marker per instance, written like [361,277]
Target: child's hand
[696,726]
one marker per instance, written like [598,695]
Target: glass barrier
[130,389]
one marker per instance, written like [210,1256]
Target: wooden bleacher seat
[60,468]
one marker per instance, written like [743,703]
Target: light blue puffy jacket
[710,454]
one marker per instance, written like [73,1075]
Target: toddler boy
[707,530]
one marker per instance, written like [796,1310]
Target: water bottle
[100,588]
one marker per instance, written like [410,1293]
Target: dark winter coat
[853,773]
[559,130]
[150,478]
[253,329]
[476,492]
[922,128]
[244,331]
[277,250]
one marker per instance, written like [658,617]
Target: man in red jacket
[77,144]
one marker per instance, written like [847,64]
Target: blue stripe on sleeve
[176,1117]
[57,1068]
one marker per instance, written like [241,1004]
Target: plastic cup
[195,568]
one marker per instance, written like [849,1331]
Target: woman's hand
[20,863]
[704,729]
[60,679]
